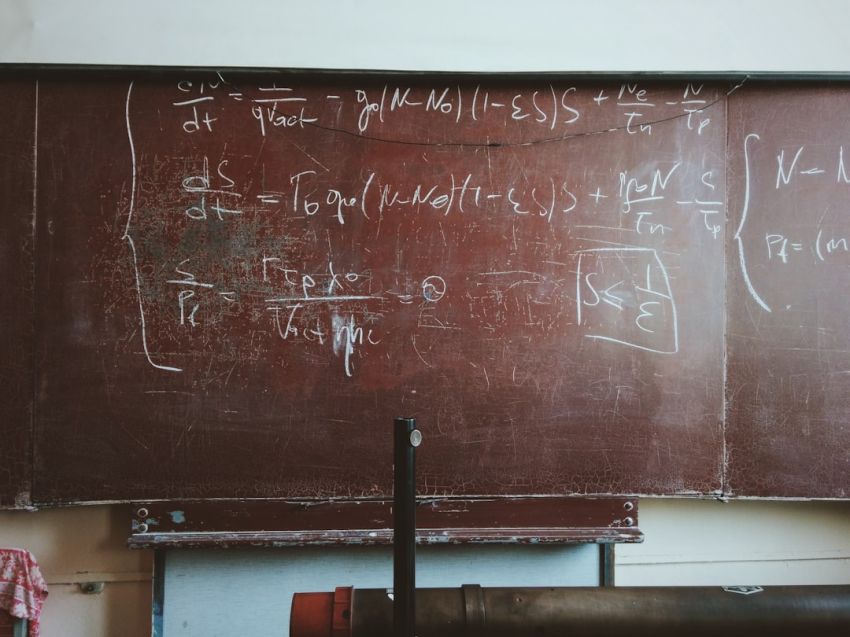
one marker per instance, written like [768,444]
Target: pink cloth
[22,588]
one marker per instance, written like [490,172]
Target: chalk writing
[628,284]
[324,219]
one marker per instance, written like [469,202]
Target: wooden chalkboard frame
[269,523]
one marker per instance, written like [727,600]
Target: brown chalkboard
[17,154]
[788,429]
[242,278]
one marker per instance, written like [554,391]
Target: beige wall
[688,542]
[474,35]
[85,544]
[707,543]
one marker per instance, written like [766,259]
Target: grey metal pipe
[627,612]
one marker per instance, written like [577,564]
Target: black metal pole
[405,440]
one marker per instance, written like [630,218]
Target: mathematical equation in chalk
[634,197]
[824,246]
[558,110]
[780,238]
[265,221]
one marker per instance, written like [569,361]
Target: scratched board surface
[17,103]
[789,258]
[242,280]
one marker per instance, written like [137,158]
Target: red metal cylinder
[321,614]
